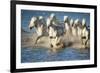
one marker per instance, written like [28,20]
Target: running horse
[39,24]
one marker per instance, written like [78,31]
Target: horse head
[83,22]
[32,22]
[71,22]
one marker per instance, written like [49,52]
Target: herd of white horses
[55,29]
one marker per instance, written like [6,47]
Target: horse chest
[39,31]
[66,26]
[79,31]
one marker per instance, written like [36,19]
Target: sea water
[29,55]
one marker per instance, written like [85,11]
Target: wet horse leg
[38,39]
[86,42]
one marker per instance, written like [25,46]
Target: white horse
[71,26]
[67,25]
[74,28]
[55,40]
[85,33]
[71,22]
[52,35]
[40,25]
[78,28]
[55,31]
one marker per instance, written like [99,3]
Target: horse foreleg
[86,42]
[37,39]
[82,41]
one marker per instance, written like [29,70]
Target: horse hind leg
[86,43]
[83,43]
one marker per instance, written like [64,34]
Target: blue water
[29,55]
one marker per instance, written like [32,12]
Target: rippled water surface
[29,55]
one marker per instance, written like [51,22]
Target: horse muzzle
[30,28]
